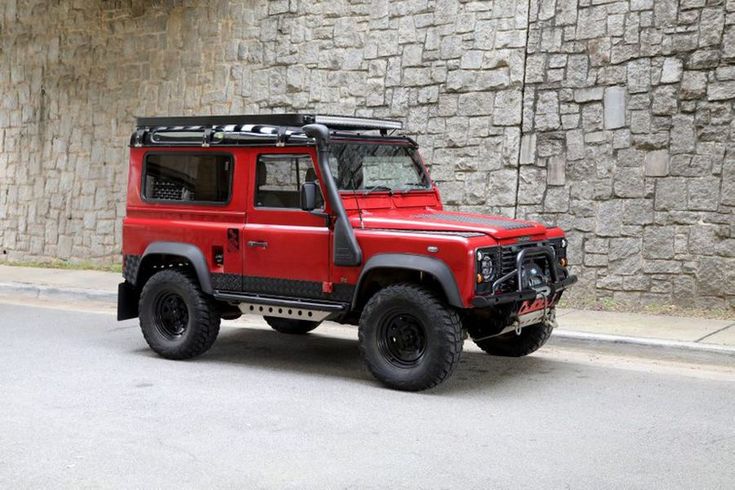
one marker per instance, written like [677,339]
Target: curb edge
[42,292]
[588,337]
[74,294]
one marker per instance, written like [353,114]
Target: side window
[184,177]
[278,180]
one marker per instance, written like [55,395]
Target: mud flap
[127,301]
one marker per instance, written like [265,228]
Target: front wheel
[409,339]
[177,319]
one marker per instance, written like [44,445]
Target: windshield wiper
[410,186]
[384,188]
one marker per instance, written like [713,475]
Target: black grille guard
[524,293]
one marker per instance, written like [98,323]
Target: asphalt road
[84,403]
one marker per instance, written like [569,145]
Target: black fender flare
[420,263]
[190,252]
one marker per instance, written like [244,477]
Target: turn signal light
[563,261]
[479,278]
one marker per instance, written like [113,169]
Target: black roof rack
[290,120]
[253,129]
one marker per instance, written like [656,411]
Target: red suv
[306,218]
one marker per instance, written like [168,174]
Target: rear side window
[191,178]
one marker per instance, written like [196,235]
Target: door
[286,249]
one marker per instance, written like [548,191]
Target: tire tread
[204,311]
[451,330]
[532,338]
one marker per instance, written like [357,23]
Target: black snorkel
[346,249]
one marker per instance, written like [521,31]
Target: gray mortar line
[523,107]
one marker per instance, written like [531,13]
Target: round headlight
[564,243]
[480,255]
[487,268]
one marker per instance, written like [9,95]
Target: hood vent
[479,220]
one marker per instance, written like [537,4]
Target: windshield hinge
[206,137]
[282,137]
[138,140]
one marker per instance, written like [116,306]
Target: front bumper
[486,301]
[551,289]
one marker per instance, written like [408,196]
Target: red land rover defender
[306,218]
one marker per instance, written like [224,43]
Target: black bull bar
[525,293]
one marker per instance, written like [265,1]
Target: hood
[423,219]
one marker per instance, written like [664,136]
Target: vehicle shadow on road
[322,354]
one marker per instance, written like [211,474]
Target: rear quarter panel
[203,225]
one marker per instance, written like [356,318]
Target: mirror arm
[321,214]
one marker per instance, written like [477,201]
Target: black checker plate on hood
[498,223]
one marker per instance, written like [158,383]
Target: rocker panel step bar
[284,312]
[255,299]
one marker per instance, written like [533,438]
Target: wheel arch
[407,263]
[170,250]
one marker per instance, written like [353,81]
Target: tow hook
[550,319]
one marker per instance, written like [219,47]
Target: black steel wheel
[178,320]
[409,339]
[171,316]
[402,339]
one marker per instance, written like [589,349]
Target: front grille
[505,262]
[508,264]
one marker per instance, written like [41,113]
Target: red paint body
[299,242]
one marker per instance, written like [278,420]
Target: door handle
[254,244]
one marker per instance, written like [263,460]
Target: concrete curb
[51,292]
[590,338]
[75,294]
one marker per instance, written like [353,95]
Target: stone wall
[609,118]
[628,119]
[75,73]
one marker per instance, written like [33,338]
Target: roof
[279,129]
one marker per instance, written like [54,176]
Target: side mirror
[308,196]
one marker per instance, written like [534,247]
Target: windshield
[376,167]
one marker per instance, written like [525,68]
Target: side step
[282,307]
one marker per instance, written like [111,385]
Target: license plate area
[538,304]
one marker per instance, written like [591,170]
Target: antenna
[354,195]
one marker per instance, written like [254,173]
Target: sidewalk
[582,325]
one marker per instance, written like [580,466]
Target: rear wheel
[531,339]
[290,326]
[409,339]
[177,319]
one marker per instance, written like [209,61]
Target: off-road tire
[411,308]
[290,326]
[531,339]
[199,327]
